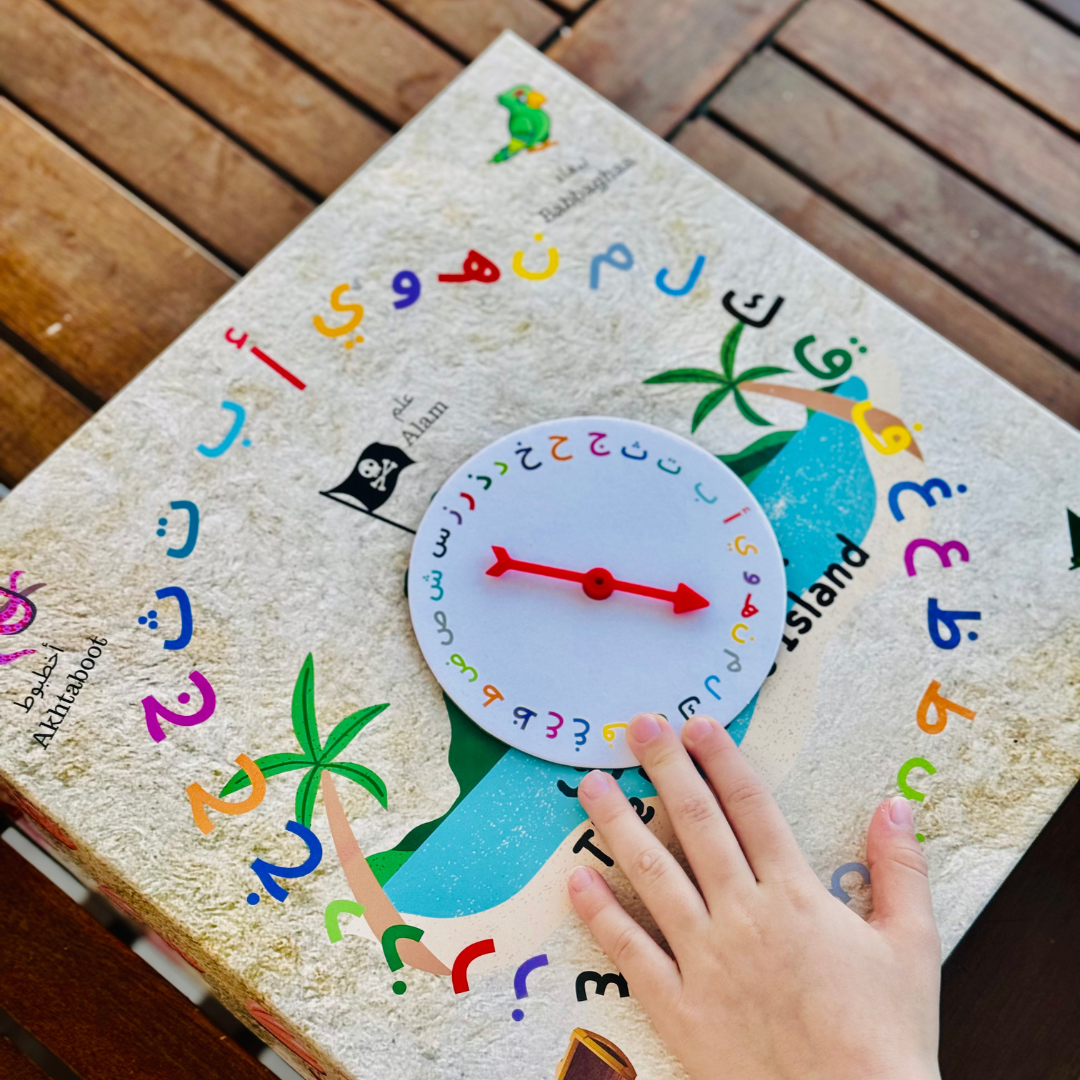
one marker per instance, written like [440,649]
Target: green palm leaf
[686,374]
[271,765]
[364,777]
[760,373]
[727,350]
[748,413]
[347,730]
[303,710]
[708,403]
[306,792]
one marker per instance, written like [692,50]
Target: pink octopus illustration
[16,614]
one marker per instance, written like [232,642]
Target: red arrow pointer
[599,584]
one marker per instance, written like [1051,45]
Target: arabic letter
[686,706]
[155,712]
[580,736]
[557,441]
[673,472]
[335,302]
[636,457]
[238,422]
[188,546]
[734,665]
[832,370]
[691,281]
[758,324]
[716,679]
[596,436]
[524,715]
[553,729]
[925,490]
[181,597]
[938,619]
[475,268]
[609,258]
[492,694]
[942,706]
[536,275]
[238,342]
[703,496]
[407,285]
[941,550]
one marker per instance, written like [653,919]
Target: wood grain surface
[14,1065]
[36,416]
[909,194]
[1010,42]
[657,61]
[87,275]
[944,106]
[244,84]
[361,46]
[166,152]
[68,982]
[883,266]
[470,26]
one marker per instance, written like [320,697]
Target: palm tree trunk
[819,401]
[379,910]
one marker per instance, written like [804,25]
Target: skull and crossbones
[374,473]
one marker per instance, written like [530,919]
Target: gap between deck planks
[909,194]
[942,105]
[903,279]
[78,981]
[92,279]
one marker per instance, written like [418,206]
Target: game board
[214,701]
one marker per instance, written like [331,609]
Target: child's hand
[772,977]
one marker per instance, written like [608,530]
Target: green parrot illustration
[530,126]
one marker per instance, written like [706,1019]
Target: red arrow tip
[502,562]
[688,600]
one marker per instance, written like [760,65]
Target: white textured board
[281,633]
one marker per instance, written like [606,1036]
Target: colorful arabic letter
[893,438]
[596,436]
[238,422]
[901,777]
[491,693]
[716,679]
[459,975]
[626,263]
[188,545]
[155,712]
[937,618]
[635,457]
[735,637]
[553,729]
[703,496]
[748,611]
[848,868]
[691,281]
[335,302]
[440,622]
[742,547]
[556,442]
[941,550]
[475,268]
[524,715]
[758,324]
[734,665]
[184,637]
[469,499]
[266,871]
[332,916]
[525,451]
[686,706]
[580,736]
[942,706]
[407,285]
[502,467]
[200,798]
[238,342]
[925,490]
[608,731]
[832,370]
[536,275]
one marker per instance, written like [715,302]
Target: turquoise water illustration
[508,826]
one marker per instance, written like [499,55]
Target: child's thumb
[899,886]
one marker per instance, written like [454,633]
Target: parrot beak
[535,99]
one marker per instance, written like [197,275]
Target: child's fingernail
[697,729]
[595,784]
[900,812]
[580,879]
[644,728]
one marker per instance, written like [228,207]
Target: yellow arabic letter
[518,264]
[893,439]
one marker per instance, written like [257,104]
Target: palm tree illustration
[321,765]
[727,382]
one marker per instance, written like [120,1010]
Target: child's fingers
[764,835]
[898,881]
[703,831]
[658,879]
[650,972]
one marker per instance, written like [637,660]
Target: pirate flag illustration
[372,480]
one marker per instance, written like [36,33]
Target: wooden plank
[36,416]
[470,26]
[943,105]
[1069,10]
[1010,42]
[242,82]
[91,1000]
[15,1065]
[164,150]
[88,276]
[658,61]
[1005,987]
[904,280]
[908,193]
[362,47]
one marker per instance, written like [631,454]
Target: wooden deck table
[151,151]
